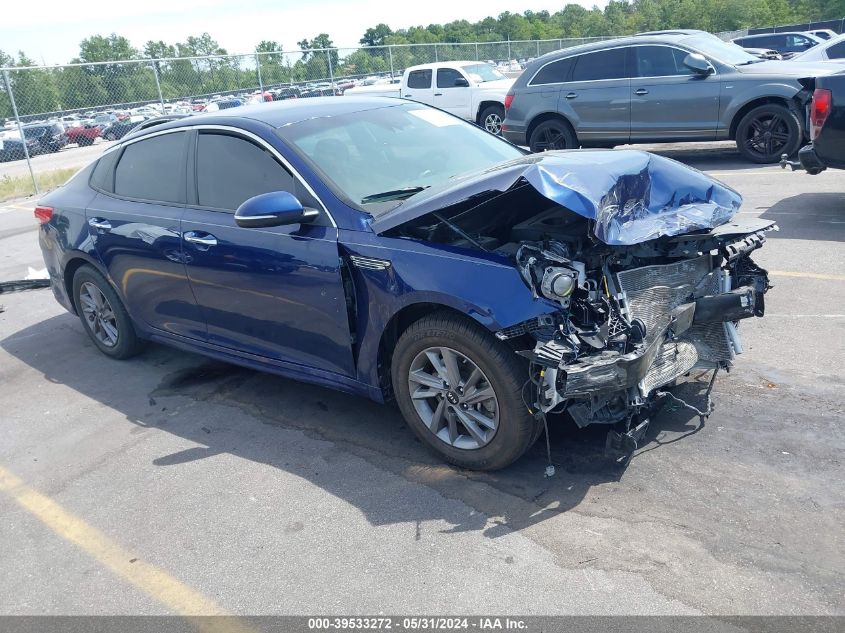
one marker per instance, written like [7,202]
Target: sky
[49,31]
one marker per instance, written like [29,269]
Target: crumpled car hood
[632,196]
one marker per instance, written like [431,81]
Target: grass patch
[12,187]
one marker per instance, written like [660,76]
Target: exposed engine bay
[630,319]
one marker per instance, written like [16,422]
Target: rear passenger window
[837,51]
[231,170]
[553,73]
[609,64]
[419,79]
[153,169]
[103,175]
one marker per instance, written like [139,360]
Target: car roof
[437,65]
[653,37]
[671,32]
[279,113]
[806,33]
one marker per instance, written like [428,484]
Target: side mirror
[461,82]
[699,64]
[276,208]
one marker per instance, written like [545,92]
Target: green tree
[317,60]
[272,60]
[375,36]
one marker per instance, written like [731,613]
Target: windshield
[725,52]
[480,73]
[394,152]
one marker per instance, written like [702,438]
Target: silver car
[660,87]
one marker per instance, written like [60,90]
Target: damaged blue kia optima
[392,250]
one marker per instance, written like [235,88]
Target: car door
[451,97]
[597,99]
[668,100]
[419,86]
[134,226]
[273,292]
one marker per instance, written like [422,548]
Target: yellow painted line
[822,276]
[152,580]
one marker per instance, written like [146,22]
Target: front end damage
[649,274]
[632,321]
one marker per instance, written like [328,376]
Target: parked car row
[820,45]
[670,86]
[679,85]
[39,139]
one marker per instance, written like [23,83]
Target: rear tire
[491,119]
[767,132]
[103,315]
[552,134]
[483,427]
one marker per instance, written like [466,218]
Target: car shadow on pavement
[809,216]
[172,391]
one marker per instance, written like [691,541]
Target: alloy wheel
[493,123]
[767,135]
[98,314]
[551,138]
[453,398]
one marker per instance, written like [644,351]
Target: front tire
[491,119]
[103,315]
[767,132]
[481,422]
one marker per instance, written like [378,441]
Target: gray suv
[660,87]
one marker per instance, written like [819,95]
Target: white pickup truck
[472,90]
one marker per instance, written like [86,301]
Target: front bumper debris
[688,313]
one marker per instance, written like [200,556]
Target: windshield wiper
[393,194]
[751,61]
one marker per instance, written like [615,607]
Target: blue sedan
[391,250]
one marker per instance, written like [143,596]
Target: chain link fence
[50,112]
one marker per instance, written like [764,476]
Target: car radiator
[652,293]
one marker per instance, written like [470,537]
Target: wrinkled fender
[485,287]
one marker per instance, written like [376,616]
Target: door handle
[438,94]
[641,91]
[407,96]
[571,95]
[99,224]
[200,239]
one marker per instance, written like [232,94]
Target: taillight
[819,110]
[43,214]
[508,102]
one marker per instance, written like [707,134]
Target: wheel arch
[548,116]
[754,103]
[484,105]
[75,262]
[396,326]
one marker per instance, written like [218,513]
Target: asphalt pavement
[171,483]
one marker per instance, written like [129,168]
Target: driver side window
[446,77]
[231,170]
